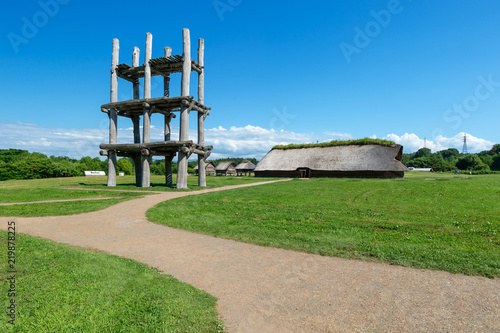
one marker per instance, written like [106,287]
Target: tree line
[21,164]
[451,159]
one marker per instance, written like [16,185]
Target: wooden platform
[162,105]
[160,148]
[159,66]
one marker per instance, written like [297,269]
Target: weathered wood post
[202,178]
[168,118]
[113,126]
[184,118]
[146,125]
[136,122]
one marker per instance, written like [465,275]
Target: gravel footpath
[264,289]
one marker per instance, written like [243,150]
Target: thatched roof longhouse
[225,168]
[365,161]
[245,167]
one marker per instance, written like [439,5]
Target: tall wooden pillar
[136,122]
[113,126]
[146,125]
[168,118]
[202,177]
[182,172]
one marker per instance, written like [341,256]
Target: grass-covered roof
[357,142]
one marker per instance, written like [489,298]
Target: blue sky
[276,72]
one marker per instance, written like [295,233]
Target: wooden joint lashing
[188,151]
[207,154]
[145,152]
[199,152]
[190,105]
[146,105]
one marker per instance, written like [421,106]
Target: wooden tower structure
[142,151]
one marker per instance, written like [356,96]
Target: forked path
[264,289]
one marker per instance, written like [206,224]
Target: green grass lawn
[434,221]
[56,189]
[65,289]
[158,182]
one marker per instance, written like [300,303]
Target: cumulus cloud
[247,141]
[250,141]
[411,142]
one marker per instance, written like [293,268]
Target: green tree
[158,167]
[486,159]
[496,162]
[125,166]
[450,154]
[36,167]
[495,149]
[422,152]
[65,168]
[9,171]
[91,164]
[471,162]
[13,155]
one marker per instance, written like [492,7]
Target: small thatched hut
[363,161]
[209,168]
[244,168]
[225,168]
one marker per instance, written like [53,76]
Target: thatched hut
[244,168]
[363,161]
[209,168]
[225,168]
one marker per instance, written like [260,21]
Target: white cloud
[411,142]
[338,135]
[247,141]
[250,141]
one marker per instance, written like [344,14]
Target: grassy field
[64,289]
[57,189]
[434,221]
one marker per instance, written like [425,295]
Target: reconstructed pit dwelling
[143,151]
[351,161]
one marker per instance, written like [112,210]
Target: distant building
[421,169]
[209,168]
[225,168]
[244,168]
[357,161]
[94,173]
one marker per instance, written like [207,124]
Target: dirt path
[272,290]
[58,200]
